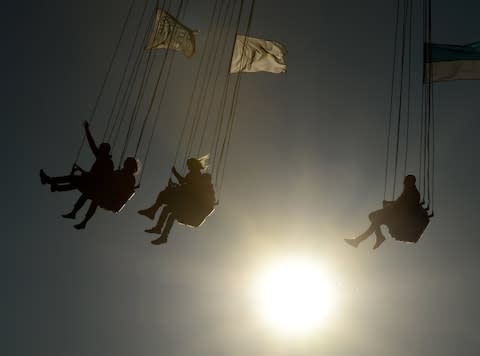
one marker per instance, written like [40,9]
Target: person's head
[104,149]
[197,164]
[409,180]
[131,165]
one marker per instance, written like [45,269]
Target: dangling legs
[157,229]
[60,180]
[78,205]
[382,217]
[166,230]
[376,221]
[90,212]
[162,198]
[59,184]
[62,188]
[55,181]
[379,238]
[71,182]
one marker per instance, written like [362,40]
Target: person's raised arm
[91,141]
[177,175]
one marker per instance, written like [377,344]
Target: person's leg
[78,205]
[60,180]
[379,238]
[90,212]
[162,198]
[375,219]
[44,178]
[55,181]
[386,216]
[63,187]
[72,182]
[166,230]
[157,229]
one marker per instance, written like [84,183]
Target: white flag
[256,55]
[167,32]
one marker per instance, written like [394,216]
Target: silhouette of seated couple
[105,187]
[189,202]
[405,217]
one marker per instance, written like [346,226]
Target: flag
[257,55]
[167,32]
[452,62]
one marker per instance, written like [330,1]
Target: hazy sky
[306,167]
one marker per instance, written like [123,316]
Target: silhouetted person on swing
[124,179]
[177,197]
[120,188]
[407,204]
[91,183]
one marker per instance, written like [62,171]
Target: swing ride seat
[116,195]
[193,215]
[111,196]
[116,201]
[408,226]
[193,205]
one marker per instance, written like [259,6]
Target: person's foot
[159,241]
[149,213]
[80,226]
[44,179]
[352,242]
[378,242]
[154,230]
[70,215]
[53,187]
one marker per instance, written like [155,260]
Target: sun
[294,296]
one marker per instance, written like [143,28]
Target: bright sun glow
[294,296]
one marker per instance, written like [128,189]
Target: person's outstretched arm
[91,141]
[177,175]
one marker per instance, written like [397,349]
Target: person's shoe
[159,241]
[53,187]
[149,213]
[80,226]
[44,179]
[352,242]
[378,242]
[154,230]
[70,215]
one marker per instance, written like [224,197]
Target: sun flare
[294,296]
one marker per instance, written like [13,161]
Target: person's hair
[132,164]
[105,146]
[410,179]
[200,162]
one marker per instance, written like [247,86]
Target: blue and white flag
[451,62]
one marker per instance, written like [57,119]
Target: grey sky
[305,169]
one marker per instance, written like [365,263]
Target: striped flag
[451,62]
